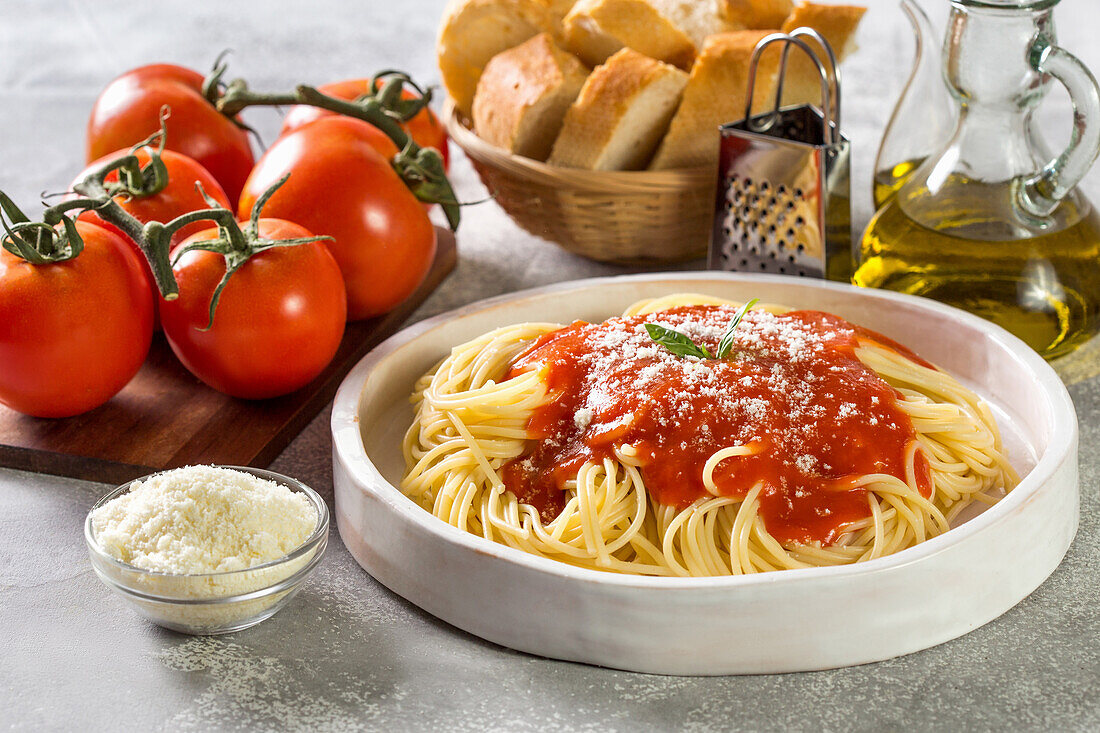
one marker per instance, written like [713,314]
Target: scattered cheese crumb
[582,417]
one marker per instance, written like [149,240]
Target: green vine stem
[55,238]
[36,242]
[50,244]
[420,168]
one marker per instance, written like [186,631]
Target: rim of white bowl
[349,447]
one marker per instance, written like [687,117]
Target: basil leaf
[725,346]
[676,342]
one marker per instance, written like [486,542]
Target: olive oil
[888,181]
[1038,279]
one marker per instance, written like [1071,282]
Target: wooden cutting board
[166,418]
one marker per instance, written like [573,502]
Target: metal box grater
[783,201]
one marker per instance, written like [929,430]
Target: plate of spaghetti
[707,473]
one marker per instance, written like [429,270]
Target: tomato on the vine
[179,196]
[128,111]
[340,185]
[425,129]
[73,333]
[277,322]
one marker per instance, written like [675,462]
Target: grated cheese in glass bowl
[207,549]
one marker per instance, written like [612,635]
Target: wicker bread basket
[625,217]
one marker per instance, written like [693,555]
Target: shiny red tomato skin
[128,111]
[425,128]
[341,186]
[277,325]
[73,333]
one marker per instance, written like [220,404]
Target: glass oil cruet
[974,212]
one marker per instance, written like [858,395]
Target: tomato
[424,128]
[341,186]
[179,197]
[72,333]
[278,322]
[128,111]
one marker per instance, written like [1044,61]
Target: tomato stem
[100,197]
[236,245]
[38,243]
[420,168]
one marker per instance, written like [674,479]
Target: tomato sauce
[791,388]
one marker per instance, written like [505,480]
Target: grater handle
[828,82]
[834,69]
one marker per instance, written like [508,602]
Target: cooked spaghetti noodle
[813,443]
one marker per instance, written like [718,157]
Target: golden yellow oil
[970,249]
[889,180]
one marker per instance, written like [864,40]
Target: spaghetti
[813,442]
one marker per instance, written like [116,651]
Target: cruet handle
[1039,194]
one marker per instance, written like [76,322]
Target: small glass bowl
[213,603]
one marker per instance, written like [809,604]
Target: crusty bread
[757,14]
[698,19]
[802,84]
[596,29]
[715,94]
[621,114]
[474,31]
[523,95]
[559,8]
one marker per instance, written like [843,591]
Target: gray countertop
[347,653]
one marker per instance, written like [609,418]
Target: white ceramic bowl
[786,621]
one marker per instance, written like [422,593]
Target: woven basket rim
[458,127]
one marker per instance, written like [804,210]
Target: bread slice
[474,31]
[523,95]
[757,14]
[621,114]
[698,19]
[559,8]
[838,23]
[596,29]
[716,94]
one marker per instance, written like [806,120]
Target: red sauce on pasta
[792,389]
